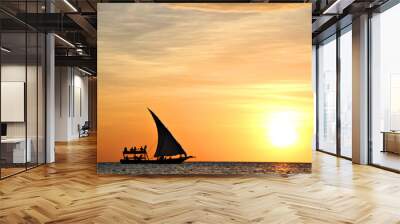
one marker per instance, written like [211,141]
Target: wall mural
[204,82]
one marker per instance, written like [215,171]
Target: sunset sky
[232,82]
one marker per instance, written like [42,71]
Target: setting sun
[281,128]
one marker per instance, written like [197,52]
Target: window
[385,88]
[22,89]
[327,95]
[346,92]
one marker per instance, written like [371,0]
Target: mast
[167,145]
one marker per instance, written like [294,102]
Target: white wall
[62,81]
[13,101]
[12,73]
[16,73]
[81,103]
[71,102]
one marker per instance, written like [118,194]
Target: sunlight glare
[281,129]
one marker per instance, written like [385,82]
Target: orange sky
[232,82]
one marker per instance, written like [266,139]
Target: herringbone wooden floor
[70,191]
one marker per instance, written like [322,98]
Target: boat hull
[155,161]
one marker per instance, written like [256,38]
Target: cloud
[160,32]
[219,48]
[240,7]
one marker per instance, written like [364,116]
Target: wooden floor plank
[70,191]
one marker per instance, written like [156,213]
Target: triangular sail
[167,144]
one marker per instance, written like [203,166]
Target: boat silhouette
[168,151]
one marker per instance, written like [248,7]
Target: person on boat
[125,150]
